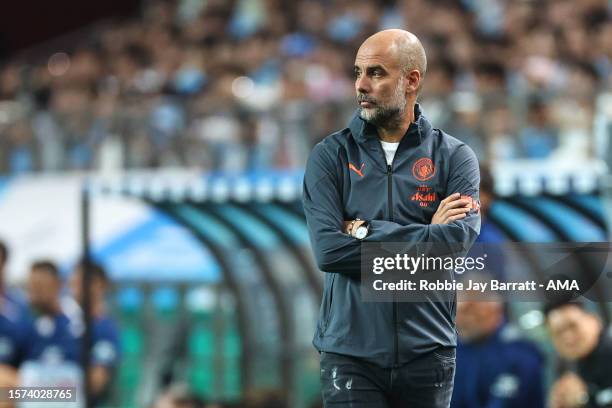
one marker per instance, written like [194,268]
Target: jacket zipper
[390,204]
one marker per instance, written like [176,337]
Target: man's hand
[569,391]
[354,223]
[452,208]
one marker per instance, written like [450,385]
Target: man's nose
[362,84]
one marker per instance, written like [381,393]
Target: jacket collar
[417,131]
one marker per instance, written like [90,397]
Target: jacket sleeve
[464,178]
[334,251]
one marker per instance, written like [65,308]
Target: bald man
[388,177]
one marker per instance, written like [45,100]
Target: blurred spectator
[488,230]
[248,84]
[13,327]
[22,151]
[495,367]
[11,295]
[51,349]
[105,352]
[53,337]
[12,337]
[499,128]
[539,138]
[491,238]
[464,122]
[580,338]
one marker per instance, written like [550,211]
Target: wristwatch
[362,231]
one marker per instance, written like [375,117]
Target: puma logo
[357,170]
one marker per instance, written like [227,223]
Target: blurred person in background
[489,232]
[22,149]
[52,333]
[499,130]
[540,137]
[105,351]
[495,366]
[11,295]
[13,328]
[464,116]
[13,332]
[51,349]
[585,344]
[491,238]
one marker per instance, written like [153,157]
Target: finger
[445,211]
[450,202]
[457,203]
[456,217]
[456,211]
[451,197]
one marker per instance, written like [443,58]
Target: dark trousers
[426,382]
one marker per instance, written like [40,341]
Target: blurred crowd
[42,331]
[253,84]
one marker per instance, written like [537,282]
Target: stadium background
[182,128]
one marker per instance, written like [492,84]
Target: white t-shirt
[390,149]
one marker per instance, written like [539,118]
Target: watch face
[361,232]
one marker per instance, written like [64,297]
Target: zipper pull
[388,169]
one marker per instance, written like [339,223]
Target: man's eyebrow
[369,67]
[374,67]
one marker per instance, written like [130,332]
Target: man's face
[573,331]
[97,287]
[379,84]
[477,319]
[43,290]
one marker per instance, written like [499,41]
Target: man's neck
[396,133]
[52,310]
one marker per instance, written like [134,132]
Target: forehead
[39,274]
[376,54]
[565,315]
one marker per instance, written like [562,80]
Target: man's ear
[413,81]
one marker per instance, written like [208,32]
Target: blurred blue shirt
[13,332]
[51,339]
[502,371]
[106,349]
[59,338]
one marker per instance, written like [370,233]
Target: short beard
[385,116]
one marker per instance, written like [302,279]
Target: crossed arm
[337,251]
[452,208]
